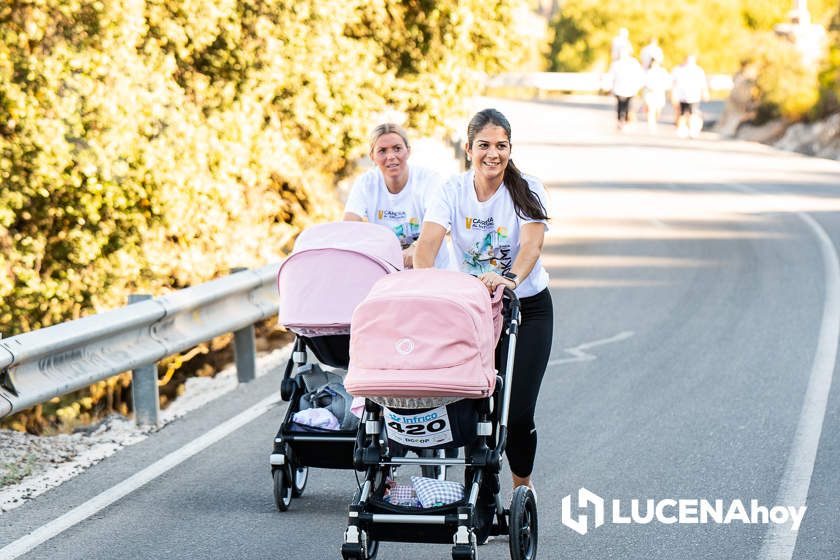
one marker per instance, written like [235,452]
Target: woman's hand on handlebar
[493,280]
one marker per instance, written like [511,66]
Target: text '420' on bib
[423,429]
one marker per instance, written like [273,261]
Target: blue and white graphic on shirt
[406,228]
[485,234]
[491,252]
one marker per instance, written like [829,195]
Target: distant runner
[689,89]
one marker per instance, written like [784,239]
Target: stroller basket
[325,449]
[412,533]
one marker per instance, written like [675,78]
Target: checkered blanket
[402,495]
[432,492]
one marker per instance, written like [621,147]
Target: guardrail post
[144,386]
[245,349]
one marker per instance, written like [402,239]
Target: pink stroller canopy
[424,333]
[330,270]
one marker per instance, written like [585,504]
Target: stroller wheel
[357,551]
[352,551]
[299,477]
[523,525]
[282,489]
[464,552]
[373,548]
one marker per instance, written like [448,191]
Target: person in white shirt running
[498,217]
[657,82]
[393,193]
[626,75]
[689,89]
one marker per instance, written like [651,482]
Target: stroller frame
[295,451]
[464,523]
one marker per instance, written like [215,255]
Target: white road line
[780,540]
[103,500]
[579,351]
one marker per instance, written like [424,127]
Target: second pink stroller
[423,352]
[329,272]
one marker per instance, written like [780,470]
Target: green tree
[719,32]
[784,86]
[438,46]
[584,30]
[829,78]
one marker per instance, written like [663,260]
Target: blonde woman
[393,193]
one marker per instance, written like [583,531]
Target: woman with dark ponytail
[497,218]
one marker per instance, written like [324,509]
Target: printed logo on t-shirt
[490,253]
[481,224]
[391,214]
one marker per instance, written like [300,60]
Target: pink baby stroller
[423,353]
[330,270]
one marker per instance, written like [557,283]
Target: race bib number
[424,429]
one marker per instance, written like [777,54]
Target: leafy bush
[434,50]
[784,86]
[829,78]
[147,146]
[152,145]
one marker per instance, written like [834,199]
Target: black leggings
[623,108]
[533,346]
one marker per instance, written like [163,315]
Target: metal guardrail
[578,82]
[46,363]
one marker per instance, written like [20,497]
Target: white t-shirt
[657,80]
[689,83]
[485,235]
[627,77]
[403,212]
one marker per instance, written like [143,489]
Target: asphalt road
[695,289]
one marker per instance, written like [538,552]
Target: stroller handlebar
[513,306]
[513,317]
